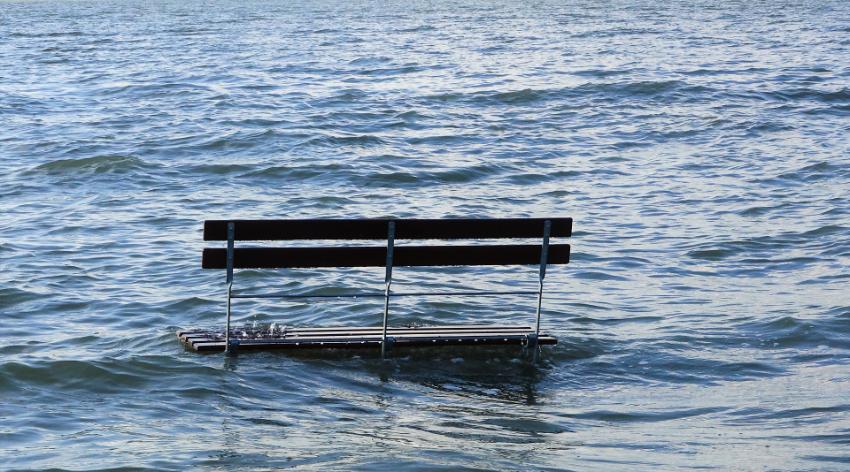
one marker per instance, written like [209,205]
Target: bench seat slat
[303,333]
[457,228]
[372,341]
[409,256]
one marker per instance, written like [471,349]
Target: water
[702,148]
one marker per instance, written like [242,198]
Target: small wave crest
[97,164]
[641,89]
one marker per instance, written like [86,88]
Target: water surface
[702,148]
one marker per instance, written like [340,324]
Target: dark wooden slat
[361,342]
[460,228]
[276,258]
[342,332]
[352,329]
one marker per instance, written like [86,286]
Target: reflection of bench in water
[387,256]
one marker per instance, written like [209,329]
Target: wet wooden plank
[335,229]
[406,256]
[353,331]
[369,337]
[358,342]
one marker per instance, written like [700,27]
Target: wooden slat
[367,329]
[343,333]
[460,228]
[372,342]
[367,337]
[275,258]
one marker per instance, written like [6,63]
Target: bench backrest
[379,229]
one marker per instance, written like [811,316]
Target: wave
[417,29]
[760,245]
[641,89]
[109,163]
[10,297]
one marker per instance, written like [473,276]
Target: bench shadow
[503,373]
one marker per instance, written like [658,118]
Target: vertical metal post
[230,237]
[544,255]
[387,281]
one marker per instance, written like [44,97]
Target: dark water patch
[301,68]
[527,425]
[425,177]
[220,169]
[257,122]
[609,416]
[573,348]
[614,321]
[392,71]
[829,458]
[762,210]
[689,370]
[300,172]
[334,141]
[815,414]
[791,332]
[762,245]
[17,349]
[187,304]
[368,61]
[600,73]
[597,275]
[118,164]
[139,91]
[268,422]
[519,97]
[669,90]
[320,31]
[241,140]
[809,94]
[536,178]
[811,173]
[49,34]
[71,375]
[417,29]
[188,31]
[441,139]
[836,278]
[727,71]
[615,32]
[10,296]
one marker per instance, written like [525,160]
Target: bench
[388,256]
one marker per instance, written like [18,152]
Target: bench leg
[229,346]
[388,280]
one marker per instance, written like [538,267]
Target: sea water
[701,146]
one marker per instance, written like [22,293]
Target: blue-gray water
[702,148]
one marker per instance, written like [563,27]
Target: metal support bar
[230,237]
[387,282]
[544,254]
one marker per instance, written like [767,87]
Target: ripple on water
[703,317]
[97,164]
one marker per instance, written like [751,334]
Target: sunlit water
[702,148]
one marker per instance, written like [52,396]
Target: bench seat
[348,337]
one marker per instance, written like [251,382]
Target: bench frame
[364,256]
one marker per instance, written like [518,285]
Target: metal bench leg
[229,348]
[544,256]
[388,278]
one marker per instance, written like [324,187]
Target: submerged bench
[388,256]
